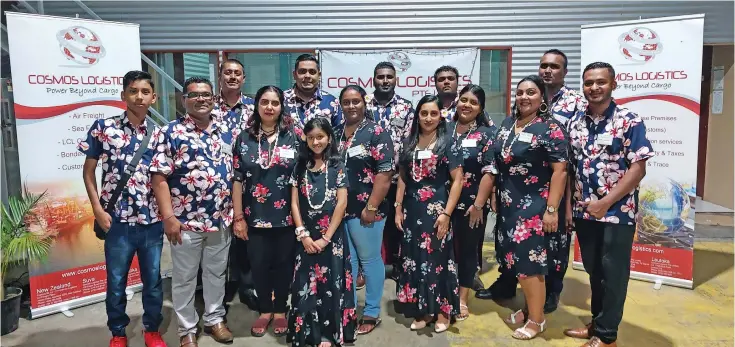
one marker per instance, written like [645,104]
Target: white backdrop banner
[414,69]
[66,74]
[658,66]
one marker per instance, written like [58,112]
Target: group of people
[312,189]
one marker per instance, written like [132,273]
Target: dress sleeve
[382,151]
[163,158]
[488,151]
[637,145]
[92,146]
[556,142]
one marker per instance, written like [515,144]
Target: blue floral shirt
[394,117]
[237,116]
[113,142]
[566,103]
[603,149]
[322,104]
[198,167]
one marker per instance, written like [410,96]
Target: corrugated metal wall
[529,27]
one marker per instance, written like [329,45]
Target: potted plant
[19,246]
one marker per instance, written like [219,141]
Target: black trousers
[271,252]
[240,265]
[391,235]
[606,250]
[466,241]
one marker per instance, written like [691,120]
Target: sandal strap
[371,321]
[513,316]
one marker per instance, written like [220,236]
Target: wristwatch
[371,208]
[396,204]
[550,209]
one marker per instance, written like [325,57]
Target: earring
[543,108]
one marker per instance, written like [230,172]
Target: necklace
[420,175]
[347,145]
[473,127]
[505,151]
[270,153]
[326,187]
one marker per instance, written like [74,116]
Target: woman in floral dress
[473,134]
[367,152]
[265,156]
[529,165]
[429,186]
[322,301]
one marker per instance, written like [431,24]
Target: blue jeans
[365,243]
[122,243]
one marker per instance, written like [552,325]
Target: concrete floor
[666,317]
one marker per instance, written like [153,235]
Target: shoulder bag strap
[129,170]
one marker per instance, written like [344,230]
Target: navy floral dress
[522,164]
[428,276]
[322,304]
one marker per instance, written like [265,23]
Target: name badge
[425,154]
[525,137]
[469,143]
[287,153]
[227,148]
[356,151]
[604,139]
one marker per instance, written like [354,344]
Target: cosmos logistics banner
[414,69]
[66,74]
[658,64]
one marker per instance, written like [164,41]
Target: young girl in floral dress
[322,304]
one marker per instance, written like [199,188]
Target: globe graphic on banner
[664,210]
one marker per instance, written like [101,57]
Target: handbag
[127,172]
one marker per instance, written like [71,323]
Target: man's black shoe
[489,294]
[552,302]
[249,298]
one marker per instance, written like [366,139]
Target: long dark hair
[409,145]
[363,94]
[479,93]
[540,85]
[284,121]
[306,155]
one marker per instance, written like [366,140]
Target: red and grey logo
[640,44]
[80,45]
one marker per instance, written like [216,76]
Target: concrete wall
[718,183]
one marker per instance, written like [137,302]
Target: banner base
[67,306]
[641,276]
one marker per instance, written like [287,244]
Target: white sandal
[460,317]
[512,319]
[525,334]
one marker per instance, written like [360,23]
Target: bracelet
[301,233]
[169,217]
[477,207]
[446,214]
[325,238]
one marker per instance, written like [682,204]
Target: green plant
[17,242]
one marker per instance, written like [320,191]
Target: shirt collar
[190,125]
[220,101]
[607,114]
[374,101]
[558,94]
[125,122]
[317,95]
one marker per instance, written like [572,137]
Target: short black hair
[231,60]
[306,57]
[197,79]
[446,68]
[137,75]
[558,52]
[599,65]
[384,65]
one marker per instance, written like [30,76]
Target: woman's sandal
[420,324]
[280,324]
[523,333]
[260,323]
[512,318]
[463,315]
[374,322]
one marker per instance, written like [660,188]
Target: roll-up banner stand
[66,73]
[658,67]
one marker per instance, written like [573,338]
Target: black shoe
[249,298]
[477,284]
[552,303]
[490,294]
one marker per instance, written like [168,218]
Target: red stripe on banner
[679,100]
[31,112]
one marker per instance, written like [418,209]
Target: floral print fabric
[474,146]
[322,104]
[266,191]
[322,304]
[236,117]
[523,178]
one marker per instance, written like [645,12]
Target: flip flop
[370,321]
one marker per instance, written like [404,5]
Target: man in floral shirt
[446,82]
[231,105]
[391,112]
[235,108]
[134,226]
[192,180]
[610,150]
[307,100]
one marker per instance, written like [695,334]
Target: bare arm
[89,175]
[558,183]
[456,190]
[295,211]
[339,212]
[400,189]
[237,198]
[163,195]
[486,186]
[381,186]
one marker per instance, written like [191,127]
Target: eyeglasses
[195,95]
